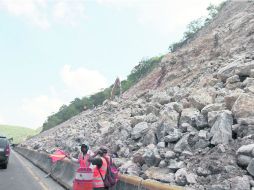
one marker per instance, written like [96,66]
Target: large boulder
[212,107]
[173,106]
[181,177]
[232,97]
[139,130]
[189,115]
[149,138]
[173,136]
[244,107]
[130,168]
[175,165]
[248,82]
[222,129]
[183,144]
[244,69]
[200,98]
[160,174]
[240,183]
[238,67]
[250,167]
[227,71]
[151,156]
[170,117]
[161,97]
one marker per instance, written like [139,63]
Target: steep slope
[227,38]
[190,122]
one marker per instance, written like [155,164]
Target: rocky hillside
[190,122]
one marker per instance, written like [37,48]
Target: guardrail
[64,171]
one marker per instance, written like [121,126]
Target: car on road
[4,151]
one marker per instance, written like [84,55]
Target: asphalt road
[23,175]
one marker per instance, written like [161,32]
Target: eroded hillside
[190,122]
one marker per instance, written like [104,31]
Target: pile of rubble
[197,132]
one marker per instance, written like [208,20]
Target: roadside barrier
[64,172]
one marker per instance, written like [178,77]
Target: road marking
[44,186]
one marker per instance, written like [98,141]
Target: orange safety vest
[97,180]
[83,161]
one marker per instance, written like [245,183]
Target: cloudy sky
[52,51]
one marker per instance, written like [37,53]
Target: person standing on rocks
[83,158]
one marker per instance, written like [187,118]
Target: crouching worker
[84,175]
[100,169]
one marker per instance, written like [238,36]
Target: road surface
[23,175]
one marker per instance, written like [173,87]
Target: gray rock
[149,138]
[163,164]
[244,69]
[212,116]
[174,106]
[130,168]
[249,89]
[151,118]
[231,98]
[212,107]
[175,165]
[161,97]
[203,172]
[139,130]
[243,160]
[137,119]
[161,145]
[149,158]
[160,174]
[169,155]
[248,82]
[152,109]
[170,117]
[240,183]
[233,86]
[233,79]
[201,144]
[200,98]
[183,144]
[222,129]
[173,136]
[250,167]
[227,71]
[201,122]
[246,150]
[180,177]
[203,134]
[189,115]
[244,107]
[191,178]
[221,186]
[246,121]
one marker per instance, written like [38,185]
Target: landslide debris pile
[196,127]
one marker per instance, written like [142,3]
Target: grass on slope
[18,134]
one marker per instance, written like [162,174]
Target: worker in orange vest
[84,155]
[100,168]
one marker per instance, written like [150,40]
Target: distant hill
[18,134]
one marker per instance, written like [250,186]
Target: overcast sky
[52,51]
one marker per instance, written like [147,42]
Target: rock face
[192,125]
